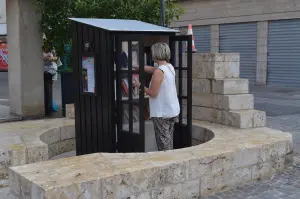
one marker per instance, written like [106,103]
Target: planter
[68,90]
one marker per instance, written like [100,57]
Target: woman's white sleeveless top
[166,104]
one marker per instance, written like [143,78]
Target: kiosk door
[183,67]
[130,101]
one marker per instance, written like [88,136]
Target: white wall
[2,11]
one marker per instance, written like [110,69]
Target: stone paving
[5,115]
[280,186]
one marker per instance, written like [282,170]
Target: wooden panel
[82,98]
[103,75]
[99,109]
[87,102]
[93,101]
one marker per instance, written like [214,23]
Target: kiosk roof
[123,25]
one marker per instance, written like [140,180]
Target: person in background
[51,63]
[164,104]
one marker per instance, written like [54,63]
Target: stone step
[215,70]
[198,85]
[245,118]
[218,86]
[209,57]
[212,66]
[230,86]
[239,118]
[224,102]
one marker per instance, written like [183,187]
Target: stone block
[66,146]
[207,114]
[26,185]
[245,157]
[259,119]
[36,151]
[288,160]
[266,169]
[239,119]
[224,180]
[198,85]
[198,132]
[201,85]
[17,154]
[145,195]
[235,102]
[14,182]
[217,57]
[230,86]
[204,99]
[3,164]
[67,132]
[51,136]
[216,70]
[188,189]
[70,111]
[128,184]
[3,174]
[197,168]
[53,150]
[196,57]
[88,189]
[244,118]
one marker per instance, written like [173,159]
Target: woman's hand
[54,58]
[136,83]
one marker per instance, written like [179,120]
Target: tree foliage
[55,13]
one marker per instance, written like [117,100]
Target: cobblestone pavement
[282,106]
[280,186]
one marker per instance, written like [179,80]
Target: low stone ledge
[232,157]
[70,111]
[36,142]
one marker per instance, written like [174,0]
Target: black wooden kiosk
[110,114]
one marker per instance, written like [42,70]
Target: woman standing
[51,63]
[164,104]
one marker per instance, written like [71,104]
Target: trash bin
[48,93]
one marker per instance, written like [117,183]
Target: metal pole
[163,12]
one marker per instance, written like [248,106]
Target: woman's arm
[150,69]
[157,78]
[147,69]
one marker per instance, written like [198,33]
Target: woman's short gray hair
[161,51]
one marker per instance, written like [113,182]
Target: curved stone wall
[34,141]
[233,157]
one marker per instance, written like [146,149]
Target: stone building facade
[265,32]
